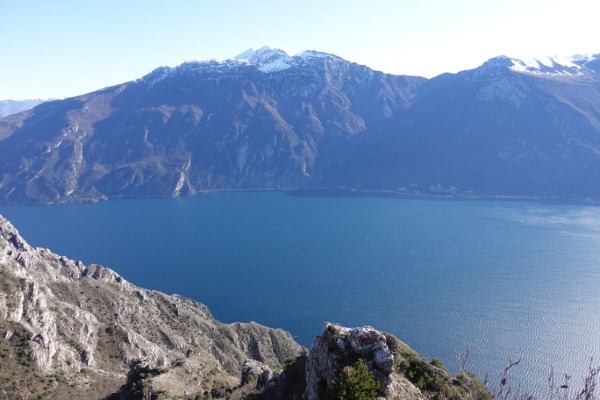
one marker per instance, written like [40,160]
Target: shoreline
[343,192]
[437,197]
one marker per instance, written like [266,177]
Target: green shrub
[353,383]
[433,379]
[436,362]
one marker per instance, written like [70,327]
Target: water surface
[505,279]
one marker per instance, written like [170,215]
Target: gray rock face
[253,370]
[339,346]
[88,317]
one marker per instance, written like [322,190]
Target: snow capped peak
[308,54]
[248,54]
[270,59]
[555,65]
[267,59]
[253,53]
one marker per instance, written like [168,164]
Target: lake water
[515,280]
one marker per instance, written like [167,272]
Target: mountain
[264,120]
[504,129]
[267,120]
[8,107]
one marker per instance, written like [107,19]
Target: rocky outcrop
[256,371]
[89,324]
[339,346]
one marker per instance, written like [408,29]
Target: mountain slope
[66,328]
[494,131]
[201,126]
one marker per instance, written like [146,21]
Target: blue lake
[515,280]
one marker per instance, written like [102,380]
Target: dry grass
[558,389]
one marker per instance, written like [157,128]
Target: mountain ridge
[88,325]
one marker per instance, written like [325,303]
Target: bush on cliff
[353,383]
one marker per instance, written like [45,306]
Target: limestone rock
[339,346]
[256,371]
[88,318]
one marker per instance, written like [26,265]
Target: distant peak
[266,58]
[271,59]
[499,62]
[307,54]
[253,53]
[579,64]
[558,66]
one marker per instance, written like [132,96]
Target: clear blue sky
[62,48]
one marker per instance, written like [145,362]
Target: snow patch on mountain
[555,65]
[309,54]
[267,59]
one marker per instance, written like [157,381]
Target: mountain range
[266,120]
[8,107]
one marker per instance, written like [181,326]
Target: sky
[63,48]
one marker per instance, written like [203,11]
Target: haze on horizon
[64,48]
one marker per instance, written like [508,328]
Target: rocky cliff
[338,347]
[68,328]
[393,367]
